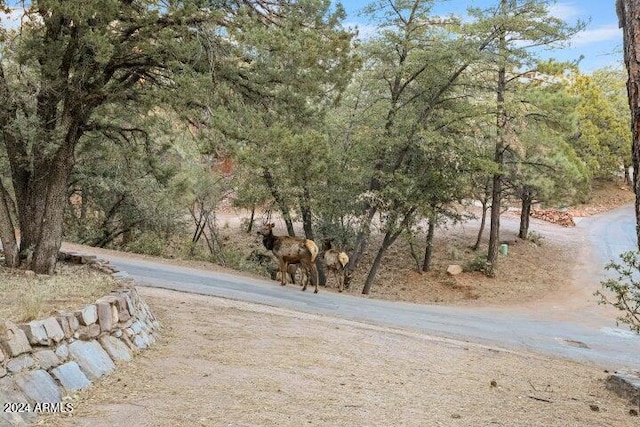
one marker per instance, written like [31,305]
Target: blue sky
[600,43]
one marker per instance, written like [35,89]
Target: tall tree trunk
[48,239]
[483,221]
[389,238]
[627,175]
[40,177]
[7,231]
[496,199]
[11,205]
[396,89]
[7,226]
[288,222]
[251,219]
[361,239]
[275,193]
[501,123]
[525,214]
[322,275]
[428,250]
[629,21]
[305,210]
[307,225]
[386,243]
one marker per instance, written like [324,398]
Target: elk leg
[315,274]
[291,272]
[304,284]
[309,267]
[304,275]
[283,273]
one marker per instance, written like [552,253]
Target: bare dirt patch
[225,363]
[528,272]
[532,270]
[606,195]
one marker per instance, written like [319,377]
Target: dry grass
[25,297]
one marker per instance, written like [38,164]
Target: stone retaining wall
[626,384]
[44,360]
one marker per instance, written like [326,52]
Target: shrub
[535,237]
[479,263]
[625,290]
[148,244]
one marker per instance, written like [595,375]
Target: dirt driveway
[226,363]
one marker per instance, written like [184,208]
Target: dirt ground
[226,363]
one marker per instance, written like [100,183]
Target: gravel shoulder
[227,363]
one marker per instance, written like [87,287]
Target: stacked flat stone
[91,260]
[43,360]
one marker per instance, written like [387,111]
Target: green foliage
[65,74]
[539,163]
[514,33]
[479,263]
[148,243]
[527,26]
[123,187]
[295,70]
[407,131]
[623,292]
[398,128]
[237,259]
[603,140]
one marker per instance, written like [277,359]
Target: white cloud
[604,33]
[565,11]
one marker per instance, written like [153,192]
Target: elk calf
[290,250]
[292,273]
[336,261]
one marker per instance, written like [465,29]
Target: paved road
[611,233]
[594,339]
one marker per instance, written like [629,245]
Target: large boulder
[454,269]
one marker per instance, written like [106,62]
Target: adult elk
[336,261]
[290,250]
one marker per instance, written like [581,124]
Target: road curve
[586,337]
[611,233]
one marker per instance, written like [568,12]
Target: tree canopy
[126,119]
